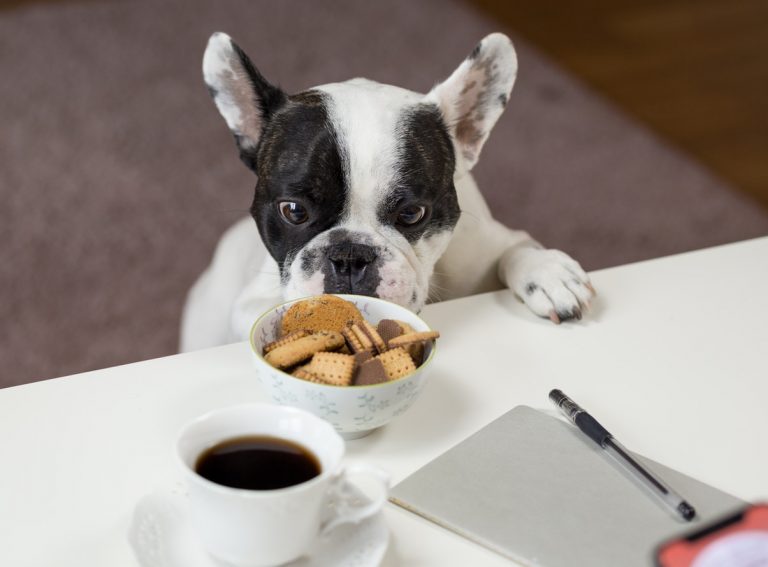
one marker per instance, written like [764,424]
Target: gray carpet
[117,175]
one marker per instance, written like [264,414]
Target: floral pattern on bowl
[354,411]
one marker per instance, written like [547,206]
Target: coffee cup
[265,481]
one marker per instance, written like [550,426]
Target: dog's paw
[551,283]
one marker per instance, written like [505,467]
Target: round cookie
[321,313]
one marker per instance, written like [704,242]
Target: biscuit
[353,344]
[269,347]
[373,335]
[371,372]
[322,313]
[303,348]
[416,350]
[389,329]
[298,369]
[360,358]
[307,375]
[363,356]
[405,326]
[413,338]
[333,368]
[397,363]
[362,337]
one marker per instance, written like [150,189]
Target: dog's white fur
[480,255]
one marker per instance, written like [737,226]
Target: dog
[365,188]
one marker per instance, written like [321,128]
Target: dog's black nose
[349,265]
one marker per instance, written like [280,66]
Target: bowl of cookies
[356,361]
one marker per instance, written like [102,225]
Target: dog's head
[355,190]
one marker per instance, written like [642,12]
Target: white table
[672,359]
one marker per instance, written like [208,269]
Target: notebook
[534,489]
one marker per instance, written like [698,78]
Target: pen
[590,426]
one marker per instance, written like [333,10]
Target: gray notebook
[534,489]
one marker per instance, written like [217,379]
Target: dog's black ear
[245,99]
[474,96]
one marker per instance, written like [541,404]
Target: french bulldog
[365,188]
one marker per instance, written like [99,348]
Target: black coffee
[257,463]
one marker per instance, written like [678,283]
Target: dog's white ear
[245,99]
[474,96]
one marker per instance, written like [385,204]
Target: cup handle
[345,497]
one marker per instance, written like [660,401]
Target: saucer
[161,536]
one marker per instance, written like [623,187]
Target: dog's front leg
[551,283]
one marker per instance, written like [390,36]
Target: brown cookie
[269,347]
[362,357]
[333,368]
[389,329]
[397,363]
[303,348]
[405,326]
[371,372]
[321,313]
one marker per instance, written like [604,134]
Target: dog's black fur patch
[426,164]
[298,160]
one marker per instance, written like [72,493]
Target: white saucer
[161,536]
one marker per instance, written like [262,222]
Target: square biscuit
[333,368]
[397,363]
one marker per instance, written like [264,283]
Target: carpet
[117,175]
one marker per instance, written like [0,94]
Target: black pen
[589,425]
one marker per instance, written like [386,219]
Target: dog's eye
[410,215]
[293,212]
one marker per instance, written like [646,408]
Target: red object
[682,552]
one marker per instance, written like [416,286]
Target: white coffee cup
[255,528]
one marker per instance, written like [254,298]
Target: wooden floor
[695,71]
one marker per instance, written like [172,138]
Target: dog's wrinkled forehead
[396,148]
[367,118]
[360,148]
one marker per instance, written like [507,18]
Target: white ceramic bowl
[354,411]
